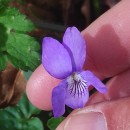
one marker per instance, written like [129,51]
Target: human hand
[108,55]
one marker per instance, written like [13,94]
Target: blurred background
[56,15]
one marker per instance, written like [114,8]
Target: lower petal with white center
[76,92]
[76,101]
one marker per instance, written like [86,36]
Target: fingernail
[86,121]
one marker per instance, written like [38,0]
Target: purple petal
[58,100]
[77,100]
[76,47]
[55,58]
[94,81]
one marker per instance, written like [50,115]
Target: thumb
[109,115]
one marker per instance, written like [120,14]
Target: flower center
[76,85]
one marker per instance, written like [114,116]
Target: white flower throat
[76,85]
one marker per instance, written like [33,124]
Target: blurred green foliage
[20,117]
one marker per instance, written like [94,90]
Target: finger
[39,88]
[99,58]
[106,106]
[110,115]
[118,87]
[108,41]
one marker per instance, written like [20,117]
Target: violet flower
[65,61]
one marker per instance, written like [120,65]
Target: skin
[108,55]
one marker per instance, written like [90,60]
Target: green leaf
[14,21]
[27,108]
[32,124]
[20,117]
[3,37]
[2,62]
[20,49]
[54,122]
[23,51]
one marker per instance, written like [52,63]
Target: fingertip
[99,116]
[39,88]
